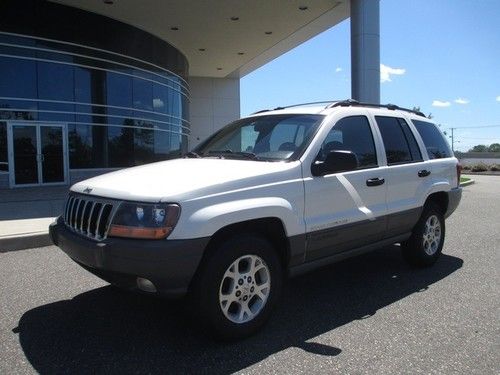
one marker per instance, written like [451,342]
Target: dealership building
[88,86]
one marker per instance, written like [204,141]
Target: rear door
[345,210]
[408,174]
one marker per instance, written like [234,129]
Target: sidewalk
[25,215]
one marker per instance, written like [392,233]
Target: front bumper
[168,264]
[454,197]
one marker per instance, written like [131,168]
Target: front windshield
[270,138]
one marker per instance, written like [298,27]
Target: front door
[346,210]
[37,154]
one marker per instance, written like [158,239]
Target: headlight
[144,220]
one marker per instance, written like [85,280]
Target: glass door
[52,154]
[38,154]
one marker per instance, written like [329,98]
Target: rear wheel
[237,287]
[424,246]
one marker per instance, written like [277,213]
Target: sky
[440,55]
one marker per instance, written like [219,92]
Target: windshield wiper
[191,154]
[246,155]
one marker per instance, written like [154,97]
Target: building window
[118,114]
[4,161]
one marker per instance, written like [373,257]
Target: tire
[424,246]
[237,287]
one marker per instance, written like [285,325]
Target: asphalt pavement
[367,315]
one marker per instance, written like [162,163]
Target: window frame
[398,120]
[372,132]
[450,153]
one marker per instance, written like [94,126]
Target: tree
[479,148]
[494,147]
[417,109]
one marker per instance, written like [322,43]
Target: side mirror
[336,161]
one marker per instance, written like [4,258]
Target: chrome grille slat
[89,216]
[99,222]
[82,219]
[66,208]
[73,213]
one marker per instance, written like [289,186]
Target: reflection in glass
[143,94]
[4,163]
[25,154]
[80,146]
[146,127]
[17,78]
[52,154]
[55,81]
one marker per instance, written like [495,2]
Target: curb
[24,241]
[490,173]
[467,183]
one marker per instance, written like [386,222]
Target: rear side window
[435,143]
[352,134]
[399,143]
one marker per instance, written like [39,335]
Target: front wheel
[424,246]
[238,286]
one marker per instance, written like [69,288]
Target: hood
[180,179]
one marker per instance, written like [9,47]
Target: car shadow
[107,330]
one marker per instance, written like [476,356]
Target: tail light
[459,173]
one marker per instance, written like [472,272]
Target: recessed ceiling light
[109,2]
[241,53]
[174,28]
[268,32]
[201,49]
[303,7]
[235,18]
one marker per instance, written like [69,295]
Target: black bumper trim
[168,264]
[454,197]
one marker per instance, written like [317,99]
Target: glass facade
[117,114]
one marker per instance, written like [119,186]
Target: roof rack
[352,102]
[346,103]
[294,105]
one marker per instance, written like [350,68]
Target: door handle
[424,173]
[375,181]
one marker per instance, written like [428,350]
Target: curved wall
[121,92]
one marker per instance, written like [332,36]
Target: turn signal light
[142,233]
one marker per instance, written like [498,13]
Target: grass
[464,179]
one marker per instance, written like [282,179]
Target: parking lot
[371,314]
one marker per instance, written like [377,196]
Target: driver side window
[352,134]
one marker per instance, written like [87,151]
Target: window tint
[435,143]
[397,148]
[352,134]
[416,155]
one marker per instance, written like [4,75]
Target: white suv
[272,195]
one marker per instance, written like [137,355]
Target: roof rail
[328,102]
[392,107]
[346,103]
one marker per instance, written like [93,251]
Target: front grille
[88,216]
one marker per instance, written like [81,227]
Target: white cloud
[338,69]
[498,98]
[439,103]
[461,101]
[158,103]
[387,71]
